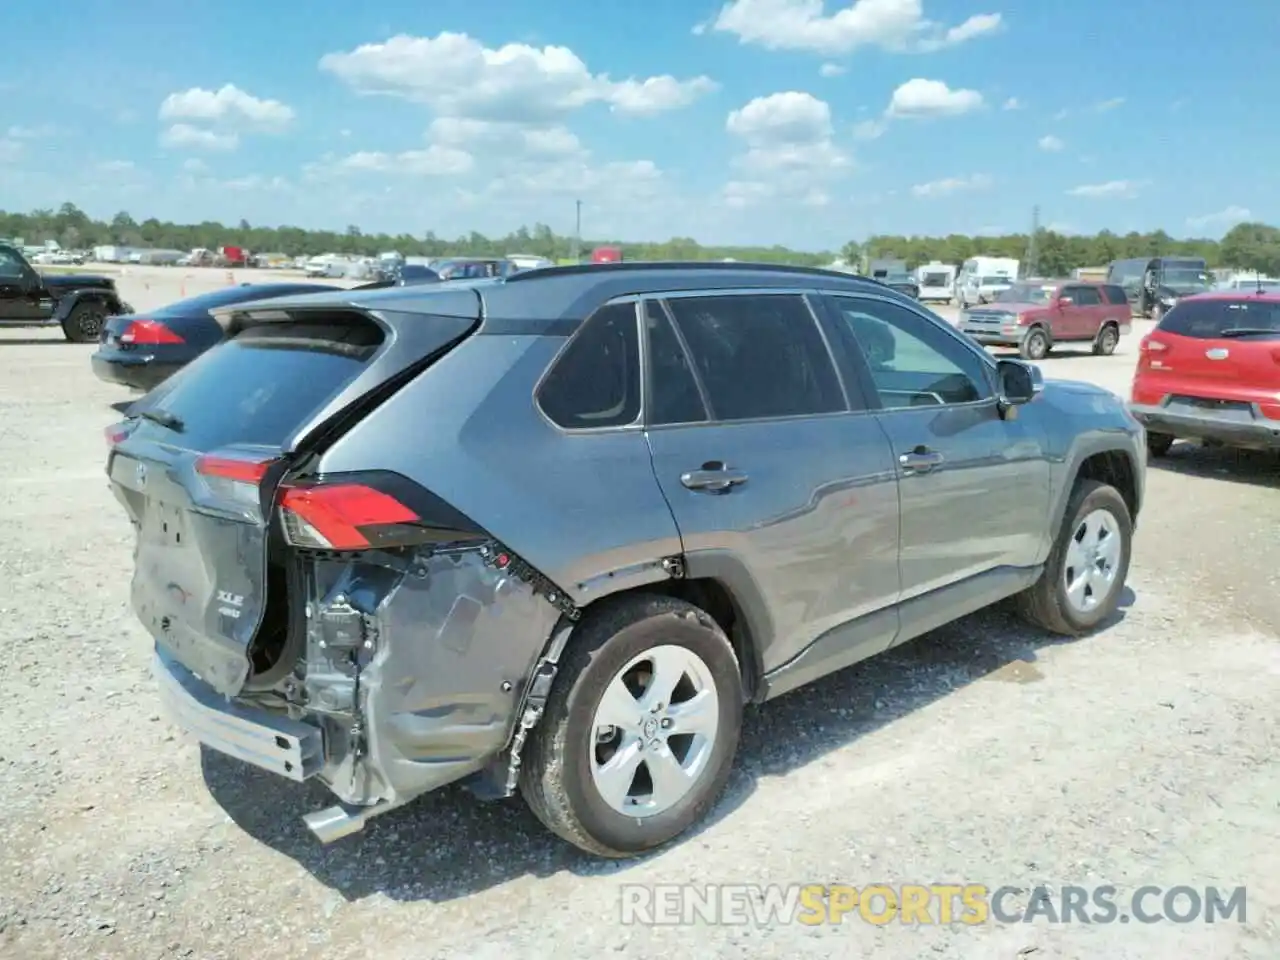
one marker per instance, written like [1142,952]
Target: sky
[796,122]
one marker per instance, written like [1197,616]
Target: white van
[937,281]
[982,279]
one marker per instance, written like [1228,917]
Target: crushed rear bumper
[1241,426]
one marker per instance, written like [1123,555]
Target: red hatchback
[1210,371]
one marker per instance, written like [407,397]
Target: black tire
[1107,341]
[1035,345]
[1045,605]
[1158,444]
[556,779]
[85,322]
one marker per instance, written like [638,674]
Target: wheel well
[716,599]
[1114,468]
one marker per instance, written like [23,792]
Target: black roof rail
[732,266]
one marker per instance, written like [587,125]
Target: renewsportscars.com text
[926,904]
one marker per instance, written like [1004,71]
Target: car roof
[1266,296]
[571,293]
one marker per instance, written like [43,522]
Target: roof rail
[736,266]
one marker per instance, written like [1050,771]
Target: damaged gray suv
[550,534]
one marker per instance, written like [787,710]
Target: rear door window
[595,381]
[759,356]
[1085,296]
[1223,318]
[675,395]
[1115,294]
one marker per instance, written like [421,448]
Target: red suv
[1210,371]
[1034,315]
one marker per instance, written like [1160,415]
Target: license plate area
[1229,410]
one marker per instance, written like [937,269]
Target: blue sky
[795,122]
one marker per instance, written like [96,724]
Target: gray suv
[551,533]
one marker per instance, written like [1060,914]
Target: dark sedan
[140,350]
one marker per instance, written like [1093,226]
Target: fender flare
[1070,472]
[109,298]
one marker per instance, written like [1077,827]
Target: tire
[1048,604]
[1158,444]
[558,775]
[1107,340]
[1035,345]
[85,322]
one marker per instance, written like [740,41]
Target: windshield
[994,282]
[937,279]
[1180,276]
[898,278]
[1211,319]
[1026,293]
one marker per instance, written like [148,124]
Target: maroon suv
[1035,315]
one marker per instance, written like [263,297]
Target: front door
[18,300]
[973,487]
[1085,313]
[779,483]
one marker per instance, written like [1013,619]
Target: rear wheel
[1035,345]
[1087,566]
[1108,338]
[640,730]
[85,323]
[1158,444]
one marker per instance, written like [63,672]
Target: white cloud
[869,129]
[184,135]
[41,132]
[920,98]
[433,161]
[229,106]
[831,70]
[195,165]
[1013,103]
[1050,144]
[10,150]
[117,166]
[739,194]
[790,131]
[895,25]
[1106,105]
[950,185]
[1113,189]
[458,76]
[1228,217]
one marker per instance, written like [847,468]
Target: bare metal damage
[415,668]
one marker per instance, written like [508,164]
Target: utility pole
[577,231]
[1033,252]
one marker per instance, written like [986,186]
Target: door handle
[920,460]
[713,476]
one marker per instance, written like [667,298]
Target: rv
[937,281]
[880,269]
[982,279]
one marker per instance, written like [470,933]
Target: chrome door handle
[714,477]
[920,460]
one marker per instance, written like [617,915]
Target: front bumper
[1236,428]
[291,748]
[993,337]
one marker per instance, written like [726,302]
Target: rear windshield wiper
[1248,331]
[164,419]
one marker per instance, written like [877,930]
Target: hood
[76,281]
[1010,306]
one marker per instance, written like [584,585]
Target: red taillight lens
[115,433]
[1149,345]
[149,332]
[230,468]
[340,516]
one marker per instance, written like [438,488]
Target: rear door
[1075,320]
[774,477]
[197,464]
[1218,349]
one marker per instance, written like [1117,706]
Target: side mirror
[1019,382]
[1064,302]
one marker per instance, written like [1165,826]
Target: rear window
[260,386]
[1211,319]
[1116,294]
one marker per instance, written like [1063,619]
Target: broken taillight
[367,511]
[234,479]
[115,433]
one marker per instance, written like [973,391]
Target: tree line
[1247,246]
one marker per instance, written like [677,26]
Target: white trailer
[981,279]
[937,281]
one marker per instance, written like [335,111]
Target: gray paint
[833,550]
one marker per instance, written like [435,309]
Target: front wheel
[640,729]
[1087,567]
[1035,345]
[85,323]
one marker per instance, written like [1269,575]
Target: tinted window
[1116,294]
[1209,319]
[10,265]
[913,361]
[1085,296]
[263,384]
[595,382]
[673,389]
[759,356]
[1027,293]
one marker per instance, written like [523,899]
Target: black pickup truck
[79,303]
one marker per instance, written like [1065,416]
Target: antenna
[1033,268]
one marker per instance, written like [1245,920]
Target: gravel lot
[983,753]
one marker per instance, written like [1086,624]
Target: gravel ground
[982,753]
